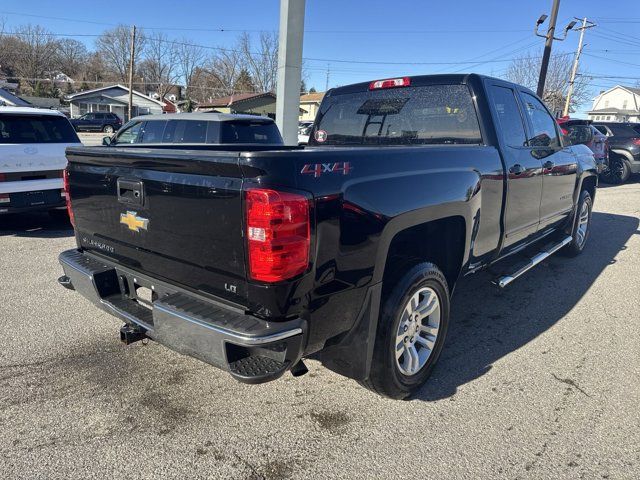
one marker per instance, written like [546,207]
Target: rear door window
[431,114]
[152,131]
[623,130]
[508,114]
[247,131]
[544,132]
[185,131]
[36,129]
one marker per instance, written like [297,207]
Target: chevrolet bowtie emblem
[133,221]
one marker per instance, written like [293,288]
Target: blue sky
[408,35]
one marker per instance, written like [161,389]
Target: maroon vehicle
[583,132]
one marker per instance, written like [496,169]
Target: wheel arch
[441,242]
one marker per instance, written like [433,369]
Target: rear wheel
[411,332]
[581,225]
[619,170]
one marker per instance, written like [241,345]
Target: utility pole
[133,53]
[574,70]
[326,85]
[549,41]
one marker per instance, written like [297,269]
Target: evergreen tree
[244,82]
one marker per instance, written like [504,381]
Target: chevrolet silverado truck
[253,258]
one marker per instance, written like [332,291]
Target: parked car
[32,160]
[582,132]
[302,125]
[252,260]
[106,122]
[196,131]
[303,134]
[624,140]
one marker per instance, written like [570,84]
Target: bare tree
[9,46]
[525,71]
[262,63]
[34,62]
[222,73]
[94,71]
[71,56]
[115,47]
[161,66]
[191,58]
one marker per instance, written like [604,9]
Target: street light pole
[547,47]
[289,69]
[574,70]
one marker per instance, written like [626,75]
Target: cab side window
[509,118]
[543,124]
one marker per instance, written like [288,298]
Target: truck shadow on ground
[488,323]
[634,179]
[40,224]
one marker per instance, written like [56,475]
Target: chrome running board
[507,279]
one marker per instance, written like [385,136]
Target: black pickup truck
[346,251]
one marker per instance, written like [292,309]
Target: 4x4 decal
[317,169]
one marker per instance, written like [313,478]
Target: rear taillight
[67,196]
[3,177]
[278,234]
[635,141]
[390,83]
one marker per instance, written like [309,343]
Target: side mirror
[106,141]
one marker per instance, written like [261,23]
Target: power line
[235,30]
[604,75]
[314,59]
[612,60]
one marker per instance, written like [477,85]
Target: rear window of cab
[424,115]
[30,128]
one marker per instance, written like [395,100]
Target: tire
[580,235]
[392,374]
[107,129]
[619,170]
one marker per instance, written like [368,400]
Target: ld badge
[133,221]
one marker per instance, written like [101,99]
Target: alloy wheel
[417,331]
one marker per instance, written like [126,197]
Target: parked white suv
[32,146]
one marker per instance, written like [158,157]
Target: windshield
[433,114]
[36,129]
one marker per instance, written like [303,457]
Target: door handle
[548,165]
[517,169]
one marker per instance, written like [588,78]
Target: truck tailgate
[176,217]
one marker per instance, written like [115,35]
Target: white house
[309,105]
[114,98]
[618,104]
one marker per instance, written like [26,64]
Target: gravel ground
[540,380]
